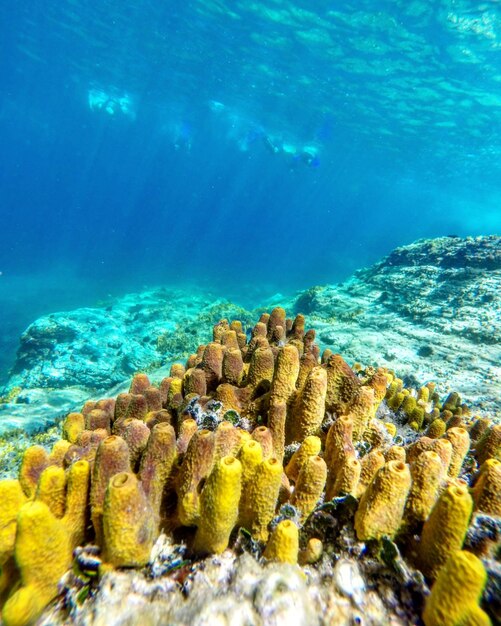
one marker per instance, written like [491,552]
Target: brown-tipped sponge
[129,527]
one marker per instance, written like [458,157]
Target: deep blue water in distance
[253,147]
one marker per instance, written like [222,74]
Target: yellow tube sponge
[443,447]
[306,363]
[227,440]
[277,318]
[112,457]
[395,453]
[455,595]
[445,529]
[346,481]
[137,407]
[487,490]
[156,464]
[277,416]
[212,365]
[196,466]
[381,507]
[460,440]
[362,410]
[194,382]
[285,375]
[43,555]
[262,497]
[98,418]
[51,489]
[129,527]
[139,383]
[309,407]
[436,429]
[73,426]
[489,444]
[427,473]
[58,452]
[339,445]
[261,366]
[342,385]
[312,552]
[35,460]
[12,499]
[228,395]
[75,519]
[219,507]
[187,429]
[309,486]
[22,608]
[251,456]
[233,366]
[135,435]
[175,394]
[229,339]
[370,464]
[264,436]
[311,446]
[283,544]
[379,382]
[396,400]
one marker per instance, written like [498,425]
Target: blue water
[248,146]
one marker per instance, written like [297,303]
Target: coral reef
[261,445]
[432,309]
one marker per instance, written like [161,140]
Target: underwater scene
[250,313]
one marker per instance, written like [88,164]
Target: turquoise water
[251,146]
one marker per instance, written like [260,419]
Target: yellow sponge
[12,499]
[263,496]
[311,446]
[309,408]
[426,471]
[310,485]
[381,507]
[444,531]
[129,526]
[487,490]
[35,460]
[283,544]
[219,506]
[51,489]
[75,518]
[43,555]
[456,593]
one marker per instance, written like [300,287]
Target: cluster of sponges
[423,410]
[223,442]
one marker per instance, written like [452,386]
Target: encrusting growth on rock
[265,436]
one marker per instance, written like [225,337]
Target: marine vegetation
[255,444]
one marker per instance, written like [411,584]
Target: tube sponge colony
[245,429]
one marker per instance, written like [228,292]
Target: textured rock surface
[430,310]
[229,590]
[99,347]
[66,358]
